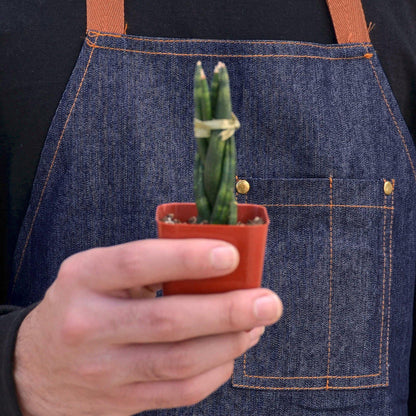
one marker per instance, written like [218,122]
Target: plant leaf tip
[220,65]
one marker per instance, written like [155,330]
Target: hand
[99,343]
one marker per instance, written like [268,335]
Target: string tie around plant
[202,128]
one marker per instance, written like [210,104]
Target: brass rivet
[388,187]
[242,186]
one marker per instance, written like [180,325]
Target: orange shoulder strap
[105,16]
[347,17]
[349,21]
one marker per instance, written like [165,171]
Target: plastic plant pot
[250,240]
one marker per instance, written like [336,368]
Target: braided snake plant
[215,159]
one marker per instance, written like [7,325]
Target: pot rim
[263,214]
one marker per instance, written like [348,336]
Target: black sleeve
[11,318]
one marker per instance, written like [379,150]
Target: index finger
[147,262]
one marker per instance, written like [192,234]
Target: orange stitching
[384,284]
[330,279]
[301,377]
[312,377]
[358,387]
[92,34]
[256,42]
[311,388]
[327,205]
[394,119]
[278,388]
[371,26]
[92,45]
[50,171]
[390,277]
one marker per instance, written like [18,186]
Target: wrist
[10,322]
[25,380]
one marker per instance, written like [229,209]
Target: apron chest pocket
[329,257]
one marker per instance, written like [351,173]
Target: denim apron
[323,145]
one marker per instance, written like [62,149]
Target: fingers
[149,262]
[176,318]
[178,393]
[182,360]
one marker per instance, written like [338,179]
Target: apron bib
[323,146]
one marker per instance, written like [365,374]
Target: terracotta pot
[250,241]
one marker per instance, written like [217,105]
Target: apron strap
[349,21]
[347,17]
[106,16]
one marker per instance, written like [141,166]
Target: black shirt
[40,42]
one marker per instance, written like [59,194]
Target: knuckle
[179,363]
[175,364]
[158,371]
[128,259]
[70,270]
[163,322]
[67,270]
[154,371]
[75,328]
[231,314]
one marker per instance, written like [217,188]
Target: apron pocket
[328,256]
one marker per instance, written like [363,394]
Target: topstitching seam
[390,279]
[306,377]
[309,388]
[384,284]
[330,280]
[93,45]
[94,34]
[328,206]
[50,171]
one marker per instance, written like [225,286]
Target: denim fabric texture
[321,134]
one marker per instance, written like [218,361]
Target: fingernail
[266,309]
[224,258]
[255,334]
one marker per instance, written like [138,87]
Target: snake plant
[215,159]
